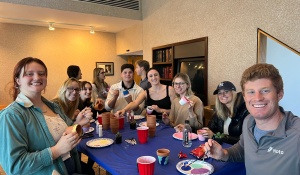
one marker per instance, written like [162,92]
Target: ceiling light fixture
[57,24]
[92,31]
[51,26]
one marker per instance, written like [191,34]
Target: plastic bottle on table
[100,132]
[186,134]
[97,127]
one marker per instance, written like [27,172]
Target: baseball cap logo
[221,84]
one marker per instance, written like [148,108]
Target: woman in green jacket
[32,129]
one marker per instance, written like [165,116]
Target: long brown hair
[97,81]
[14,90]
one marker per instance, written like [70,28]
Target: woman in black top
[230,112]
[164,103]
[159,96]
[85,98]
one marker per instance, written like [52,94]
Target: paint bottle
[100,132]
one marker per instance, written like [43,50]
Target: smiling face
[225,97]
[85,92]
[180,86]
[33,79]
[262,99]
[153,77]
[72,92]
[127,75]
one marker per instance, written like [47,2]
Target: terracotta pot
[106,120]
[163,156]
[75,128]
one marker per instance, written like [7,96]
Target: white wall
[287,62]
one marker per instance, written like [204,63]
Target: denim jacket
[26,140]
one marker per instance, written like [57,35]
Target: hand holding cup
[74,129]
[183,100]
[69,139]
[200,135]
[149,110]
[115,93]
[99,104]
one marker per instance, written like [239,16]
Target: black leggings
[70,165]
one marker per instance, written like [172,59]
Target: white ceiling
[32,15]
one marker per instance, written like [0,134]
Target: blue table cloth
[120,159]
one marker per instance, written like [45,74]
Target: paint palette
[191,166]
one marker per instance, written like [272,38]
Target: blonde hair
[222,110]
[67,106]
[187,80]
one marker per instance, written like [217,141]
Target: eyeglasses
[101,72]
[71,89]
[223,92]
[178,84]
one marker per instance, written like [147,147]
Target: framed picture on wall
[107,66]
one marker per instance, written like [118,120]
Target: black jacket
[235,127]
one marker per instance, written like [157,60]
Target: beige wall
[231,27]
[58,49]
[130,40]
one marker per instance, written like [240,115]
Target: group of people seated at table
[32,128]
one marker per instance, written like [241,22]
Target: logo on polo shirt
[276,151]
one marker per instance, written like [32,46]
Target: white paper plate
[138,117]
[178,135]
[91,129]
[199,167]
[145,124]
[100,142]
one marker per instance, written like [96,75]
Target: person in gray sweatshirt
[269,143]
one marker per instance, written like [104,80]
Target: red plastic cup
[121,122]
[100,119]
[142,134]
[146,165]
